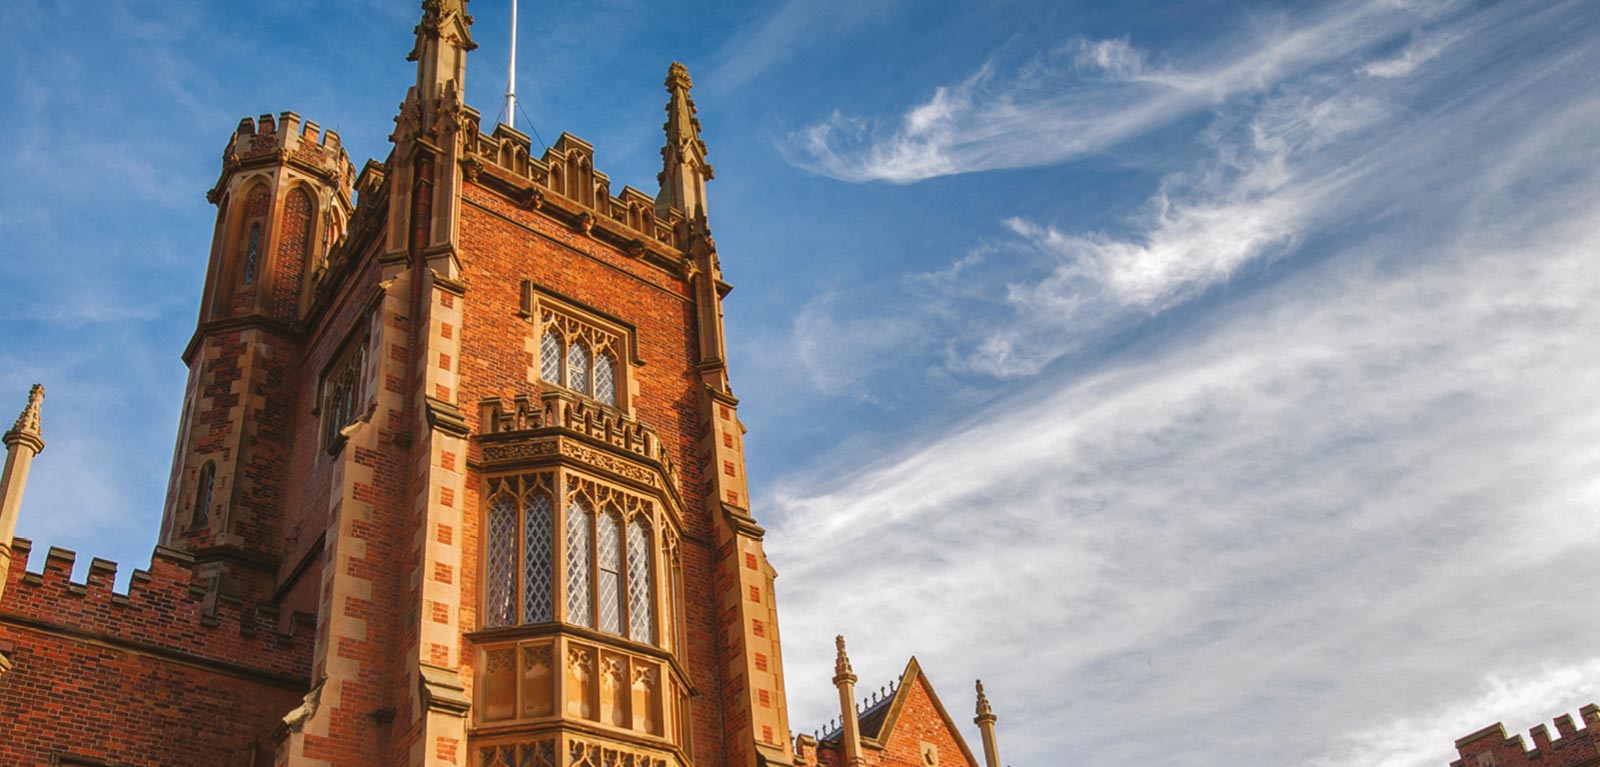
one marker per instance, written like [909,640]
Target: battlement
[562,411]
[289,139]
[1573,746]
[564,177]
[168,609]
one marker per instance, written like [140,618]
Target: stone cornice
[442,691]
[247,322]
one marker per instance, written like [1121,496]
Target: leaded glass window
[251,254]
[610,565]
[578,368]
[342,394]
[550,357]
[538,584]
[501,606]
[605,379]
[641,610]
[580,355]
[579,558]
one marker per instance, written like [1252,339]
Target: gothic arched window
[498,609]
[641,610]
[519,529]
[579,558]
[204,494]
[578,356]
[609,583]
[343,396]
[538,580]
[605,378]
[607,554]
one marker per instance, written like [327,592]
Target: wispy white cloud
[1172,541]
[1082,98]
[1415,739]
[1414,55]
[1281,533]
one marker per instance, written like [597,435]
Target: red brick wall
[145,678]
[502,245]
[918,722]
[294,250]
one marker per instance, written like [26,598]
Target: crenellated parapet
[563,180]
[289,140]
[521,429]
[1573,746]
[170,610]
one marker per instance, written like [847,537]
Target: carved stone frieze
[510,451]
[534,753]
[581,754]
[610,463]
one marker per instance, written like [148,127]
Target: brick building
[459,481]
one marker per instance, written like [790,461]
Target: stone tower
[282,202]
[480,425]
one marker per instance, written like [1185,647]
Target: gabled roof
[879,722]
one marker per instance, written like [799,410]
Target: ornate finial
[27,425]
[678,77]
[841,662]
[983,711]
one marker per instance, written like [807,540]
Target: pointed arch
[608,571]
[580,557]
[500,605]
[641,569]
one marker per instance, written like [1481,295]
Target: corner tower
[282,202]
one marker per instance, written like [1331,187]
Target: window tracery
[342,392]
[607,555]
[578,355]
[622,578]
[519,503]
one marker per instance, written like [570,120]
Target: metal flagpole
[511,73]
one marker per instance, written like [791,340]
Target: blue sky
[1214,379]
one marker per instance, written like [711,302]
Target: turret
[22,442]
[283,202]
[985,721]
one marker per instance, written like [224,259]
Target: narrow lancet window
[641,607]
[251,254]
[579,557]
[501,565]
[605,379]
[537,581]
[550,357]
[578,368]
[204,493]
[609,549]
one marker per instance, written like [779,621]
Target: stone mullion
[558,557]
